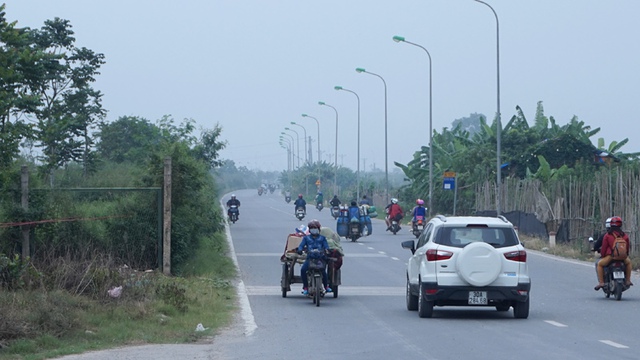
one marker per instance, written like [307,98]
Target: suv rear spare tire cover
[479,264]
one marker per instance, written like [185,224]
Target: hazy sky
[256,65]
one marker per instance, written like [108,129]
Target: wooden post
[24,181]
[166,228]
[552,239]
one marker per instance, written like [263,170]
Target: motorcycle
[300,213]
[353,232]
[319,206]
[395,226]
[260,191]
[418,226]
[317,264]
[335,211]
[613,276]
[233,213]
[287,199]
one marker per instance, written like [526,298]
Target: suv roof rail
[501,217]
[442,218]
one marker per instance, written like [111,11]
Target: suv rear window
[462,236]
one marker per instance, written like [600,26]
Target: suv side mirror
[410,244]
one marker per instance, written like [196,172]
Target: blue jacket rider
[314,241]
[300,203]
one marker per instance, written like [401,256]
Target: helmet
[319,192]
[233,196]
[299,196]
[420,202]
[314,224]
[607,223]
[394,200]
[354,203]
[616,221]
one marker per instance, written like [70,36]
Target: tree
[69,106]
[128,139]
[18,77]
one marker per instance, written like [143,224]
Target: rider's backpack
[619,250]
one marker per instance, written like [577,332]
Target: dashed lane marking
[555,323]
[607,342]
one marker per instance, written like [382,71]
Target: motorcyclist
[335,201]
[287,194]
[418,210]
[365,200]
[233,201]
[597,245]
[606,252]
[394,212]
[319,198]
[300,203]
[313,241]
[354,211]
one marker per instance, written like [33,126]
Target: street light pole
[386,161]
[358,167]
[498,121]
[402,39]
[318,123]
[288,143]
[335,181]
[293,158]
[297,143]
[305,141]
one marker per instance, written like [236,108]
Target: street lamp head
[287,128]
[321,103]
[304,115]
[338,87]
[398,38]
[360,70]
[293,123]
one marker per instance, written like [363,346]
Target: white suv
[468,261]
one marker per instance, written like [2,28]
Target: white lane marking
[382,252]
[370,248]
[614,344]
[344,290]
[245,307]
[394,258]
[555,323]
[277,255]
[361,244]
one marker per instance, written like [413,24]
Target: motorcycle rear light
[430,291]
[523,292]
[520,256]
[435,255]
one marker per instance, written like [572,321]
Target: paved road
[369,320]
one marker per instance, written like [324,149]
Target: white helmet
[233,196]
[607,223]
[394,200]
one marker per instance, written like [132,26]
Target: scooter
[614,279]
[395,226]
[319,206]
[418,226]
[613,276]
[260,191]
[335,211]
[300,213]
[233,213]
[354,231]
[314,276]
[287,199]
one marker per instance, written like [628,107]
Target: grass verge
[153,309]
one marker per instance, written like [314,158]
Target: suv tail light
[435,255]
[520,256]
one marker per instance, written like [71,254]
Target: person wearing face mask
[313,241]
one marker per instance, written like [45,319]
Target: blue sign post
[449,183]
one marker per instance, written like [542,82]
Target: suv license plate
[478,298]
[618,275]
